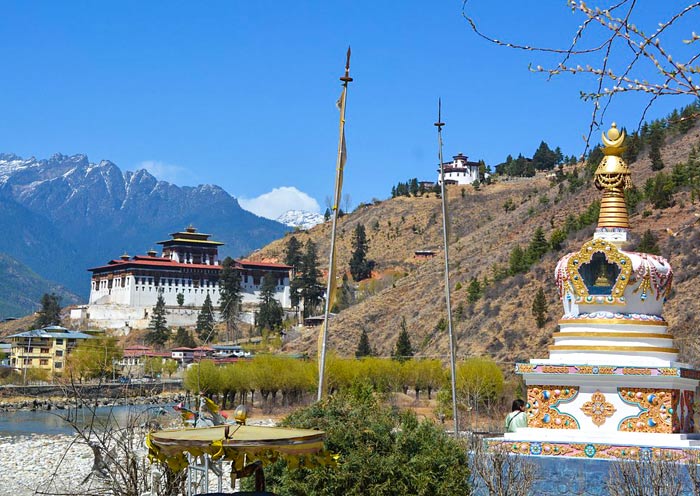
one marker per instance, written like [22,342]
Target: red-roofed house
[124,291]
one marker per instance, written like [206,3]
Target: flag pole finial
[346,78]
[439,122]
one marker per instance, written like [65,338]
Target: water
[24,422]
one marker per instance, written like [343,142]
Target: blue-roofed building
[45,348]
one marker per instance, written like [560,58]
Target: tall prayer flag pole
[445,225]
[330,290]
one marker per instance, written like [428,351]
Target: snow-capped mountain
[66,215]
[300,219]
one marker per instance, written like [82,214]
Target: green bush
[380,452]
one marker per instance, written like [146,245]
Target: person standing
[517,418]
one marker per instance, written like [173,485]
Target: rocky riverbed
[59,464]
[64,402]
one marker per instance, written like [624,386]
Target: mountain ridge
[88,213]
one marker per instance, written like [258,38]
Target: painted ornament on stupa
[613,177]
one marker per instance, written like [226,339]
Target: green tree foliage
[425,375]
[633,145]
[327,215]
[363,347]
[556,239]
[403,350]
[649,243]
[345,296]
[474,290]
[410,187]
[382,453]
[538,246]
[170,367]
[270,313]
[659,190]
[360,267]
[180,299]
[50,312]
[205,321]
[305,286]
[93,358]
[545,158]
[159,333]
[539,308]
[183,338]
[479,383]
[203,376]
[153,366]
[519,167]
[230,292]
[517,262]
[655,138]
[292,253]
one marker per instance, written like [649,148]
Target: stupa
[612,386]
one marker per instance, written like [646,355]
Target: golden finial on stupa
[613,177]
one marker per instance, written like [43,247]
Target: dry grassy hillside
[500,324]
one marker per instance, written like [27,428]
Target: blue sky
[242,94]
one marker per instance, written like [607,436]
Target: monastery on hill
[460,171]
[123,292]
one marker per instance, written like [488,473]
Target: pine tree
[363,347]
[50,313]
[360,267]
[649,243]
[539,308]
[205,321]
[229,293]
[305,286]
[292,253]
[656,140]
[474,290]
[180,299]
[516,261]
[183,338]
[159,333]
[403,350]
[538,246]
[270,313]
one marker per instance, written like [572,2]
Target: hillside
[22,288]
[499,324]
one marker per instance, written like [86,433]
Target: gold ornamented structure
[658,410]
[542,407]
[598,408]
[579,261]
[613,176]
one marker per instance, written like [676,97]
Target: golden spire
[613,176]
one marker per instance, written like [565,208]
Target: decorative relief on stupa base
[658,410]
[542,407]
[598,408]
[597,451]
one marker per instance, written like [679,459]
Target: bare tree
[610,47]
[501,472]
[120,466]
[645,477]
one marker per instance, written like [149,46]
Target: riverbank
[53,403]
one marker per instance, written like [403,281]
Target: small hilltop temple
[612,387]
[459,171]
[124,291]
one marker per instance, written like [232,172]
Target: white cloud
[278,201]
[175,174]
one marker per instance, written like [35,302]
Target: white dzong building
[124,291]
[612,386]
[459,171]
